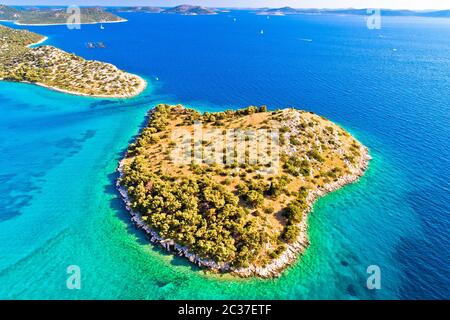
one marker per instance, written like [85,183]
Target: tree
[291,233]
[255,198]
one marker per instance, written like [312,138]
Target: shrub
[294,211]
[255,198]
[291,233]
[269,210]
[297,167]
[314,154]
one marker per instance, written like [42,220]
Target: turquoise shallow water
[59,154]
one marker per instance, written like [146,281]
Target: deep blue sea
[389,87]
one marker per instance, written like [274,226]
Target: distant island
[386,12]
[191,10]
[187,10]
[235,216]
[56,69]
[51,16]
[277,11]
[139,9]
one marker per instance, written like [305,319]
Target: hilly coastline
[386,12]
[58,70]
[50,16]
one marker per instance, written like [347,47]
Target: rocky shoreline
[24,59]
[276,266]
[292,251]
[142,86]
[38,42]
[155,238]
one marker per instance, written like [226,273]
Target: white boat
[101,26]
[262,31]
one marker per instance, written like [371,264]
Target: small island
[278,11]
[235,213]
[55,16]
[358,12]
[189,10]
[56,69]
[184,9]
[141,9]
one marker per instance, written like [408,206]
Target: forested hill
[42,16]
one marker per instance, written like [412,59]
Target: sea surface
[389,87]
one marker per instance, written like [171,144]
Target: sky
[391,4]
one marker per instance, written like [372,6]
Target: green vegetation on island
[189,10]
[142,9]
[54,15]
[56,69]
[234,215]
[360,12]
[9,13]
[45,16]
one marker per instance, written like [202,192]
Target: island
[277,11]
[185,9]
[8,13]
[142,9]
[56,69]
[55,16]
[189,10]
[231,191]
[360,12]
